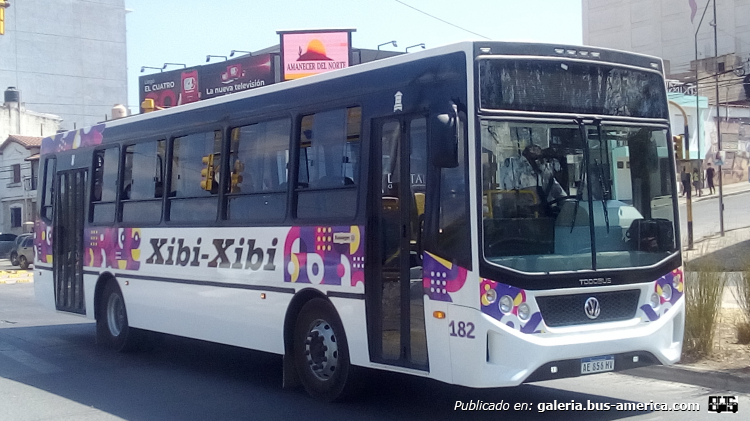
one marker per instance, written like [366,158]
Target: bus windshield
[576,196]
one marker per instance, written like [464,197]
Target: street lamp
[143,68]
[421,44]
[386,43]
[231,54]
[184,66]
[208,58]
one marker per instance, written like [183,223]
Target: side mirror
[444,140]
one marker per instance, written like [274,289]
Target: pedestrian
[697,182]
[685,178]
[710,179]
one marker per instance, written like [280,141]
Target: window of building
[16,173]
[195,176]
[258,165]
[34,173]
[143,182]
[104,185]
[15,217]
[329,163]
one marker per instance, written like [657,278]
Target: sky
[185,31]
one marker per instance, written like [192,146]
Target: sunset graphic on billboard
[311,53]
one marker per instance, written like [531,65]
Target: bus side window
[329,163]
[453,234]
[258,166]
[48,198]
[143,179]
[193,191]
[103,185]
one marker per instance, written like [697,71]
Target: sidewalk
[732,251]
[727,190]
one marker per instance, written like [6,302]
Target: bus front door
[396,321]
[67,244]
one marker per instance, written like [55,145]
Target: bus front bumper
[510,358]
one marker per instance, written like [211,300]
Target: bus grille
[566,310]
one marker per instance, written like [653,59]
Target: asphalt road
[51,369]
[706,215]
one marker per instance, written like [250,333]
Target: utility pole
[718,124]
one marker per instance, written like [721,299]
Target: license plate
[597,364]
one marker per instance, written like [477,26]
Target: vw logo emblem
[591,308]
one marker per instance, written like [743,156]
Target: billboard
[306,53]
[236,75]
[168,89]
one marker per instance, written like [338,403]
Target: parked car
[14,251]
[26,252]
[7,242]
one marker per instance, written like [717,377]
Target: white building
[671,29]
[667,29]
[66,58]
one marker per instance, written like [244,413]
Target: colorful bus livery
[484,214]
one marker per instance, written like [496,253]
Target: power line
[441,20]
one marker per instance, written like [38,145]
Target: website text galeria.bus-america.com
[574,406]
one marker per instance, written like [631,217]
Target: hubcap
[321,349]
[115,314]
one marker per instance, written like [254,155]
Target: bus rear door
[67,247]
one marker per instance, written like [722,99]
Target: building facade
[679,32]
[66,58]
[19,169]
[667,29]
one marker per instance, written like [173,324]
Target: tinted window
[329,159]
[329,148]
[195,176]
[47,193]
[104,185]
[258,162]
[143,182]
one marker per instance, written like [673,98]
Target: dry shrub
[704,287]
[742,295]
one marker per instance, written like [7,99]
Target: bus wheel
[112,321]
[321,353]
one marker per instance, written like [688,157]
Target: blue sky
[186,31]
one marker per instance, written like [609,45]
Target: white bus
[483,214]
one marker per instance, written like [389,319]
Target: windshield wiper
[579,192]
[605,191]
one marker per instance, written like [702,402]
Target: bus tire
[112,327]
[321,353]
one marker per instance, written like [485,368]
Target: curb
[714,196]
[710,379]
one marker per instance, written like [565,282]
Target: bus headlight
[654,300]
[506,304]
[666,292]
[491,296]
[524,312]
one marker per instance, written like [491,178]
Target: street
[51,369]
[706,215]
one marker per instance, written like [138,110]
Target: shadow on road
[184,379]
[729,259]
